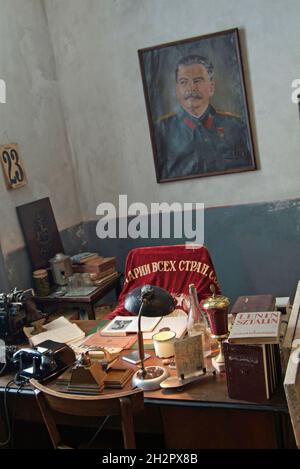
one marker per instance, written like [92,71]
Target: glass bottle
[197,323]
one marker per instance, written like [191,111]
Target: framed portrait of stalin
[197,107]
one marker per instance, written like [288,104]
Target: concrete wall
[93,144]
[254,247]
[95,44]
[253,233]
[32,117]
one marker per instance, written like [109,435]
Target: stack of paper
[59,330]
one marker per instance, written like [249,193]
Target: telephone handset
[33,363]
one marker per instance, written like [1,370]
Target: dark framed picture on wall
[197,107]
[40,231]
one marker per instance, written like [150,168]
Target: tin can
[61,267]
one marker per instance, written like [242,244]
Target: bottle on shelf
[197,323]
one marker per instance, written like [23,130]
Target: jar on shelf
[41,282]
[86,279]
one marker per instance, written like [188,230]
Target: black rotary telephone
[43,362]
[34,364]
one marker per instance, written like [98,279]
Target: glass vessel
[197,323]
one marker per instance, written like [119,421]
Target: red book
[247,371]
[250,303]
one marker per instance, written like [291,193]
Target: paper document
[176,324]
[59,330]
[97,340]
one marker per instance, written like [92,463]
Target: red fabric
[171,267]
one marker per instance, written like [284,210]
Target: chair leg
[127,423]
[49,421]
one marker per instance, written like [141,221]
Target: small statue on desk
[38,326]
[87,376]
[34,316]
[83,360]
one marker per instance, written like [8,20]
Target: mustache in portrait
[193,94]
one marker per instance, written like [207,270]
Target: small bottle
[197,323]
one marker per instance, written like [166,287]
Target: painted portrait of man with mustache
[197,140]
[194,85]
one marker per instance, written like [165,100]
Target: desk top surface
[209,391]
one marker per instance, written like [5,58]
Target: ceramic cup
[164,344]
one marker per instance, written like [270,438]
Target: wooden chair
[123,403]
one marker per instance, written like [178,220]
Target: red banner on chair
[169,267]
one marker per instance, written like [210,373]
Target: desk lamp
[150,301]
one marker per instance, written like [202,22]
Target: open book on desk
[123,325]
[60,330]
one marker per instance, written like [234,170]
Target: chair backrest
[122,403]
[169,267]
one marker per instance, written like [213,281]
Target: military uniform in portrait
[215,142]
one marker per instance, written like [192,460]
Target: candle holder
[216,309]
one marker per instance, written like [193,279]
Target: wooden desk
[199,416]
[86,302]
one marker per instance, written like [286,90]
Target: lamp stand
[152,379]
[147,378]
